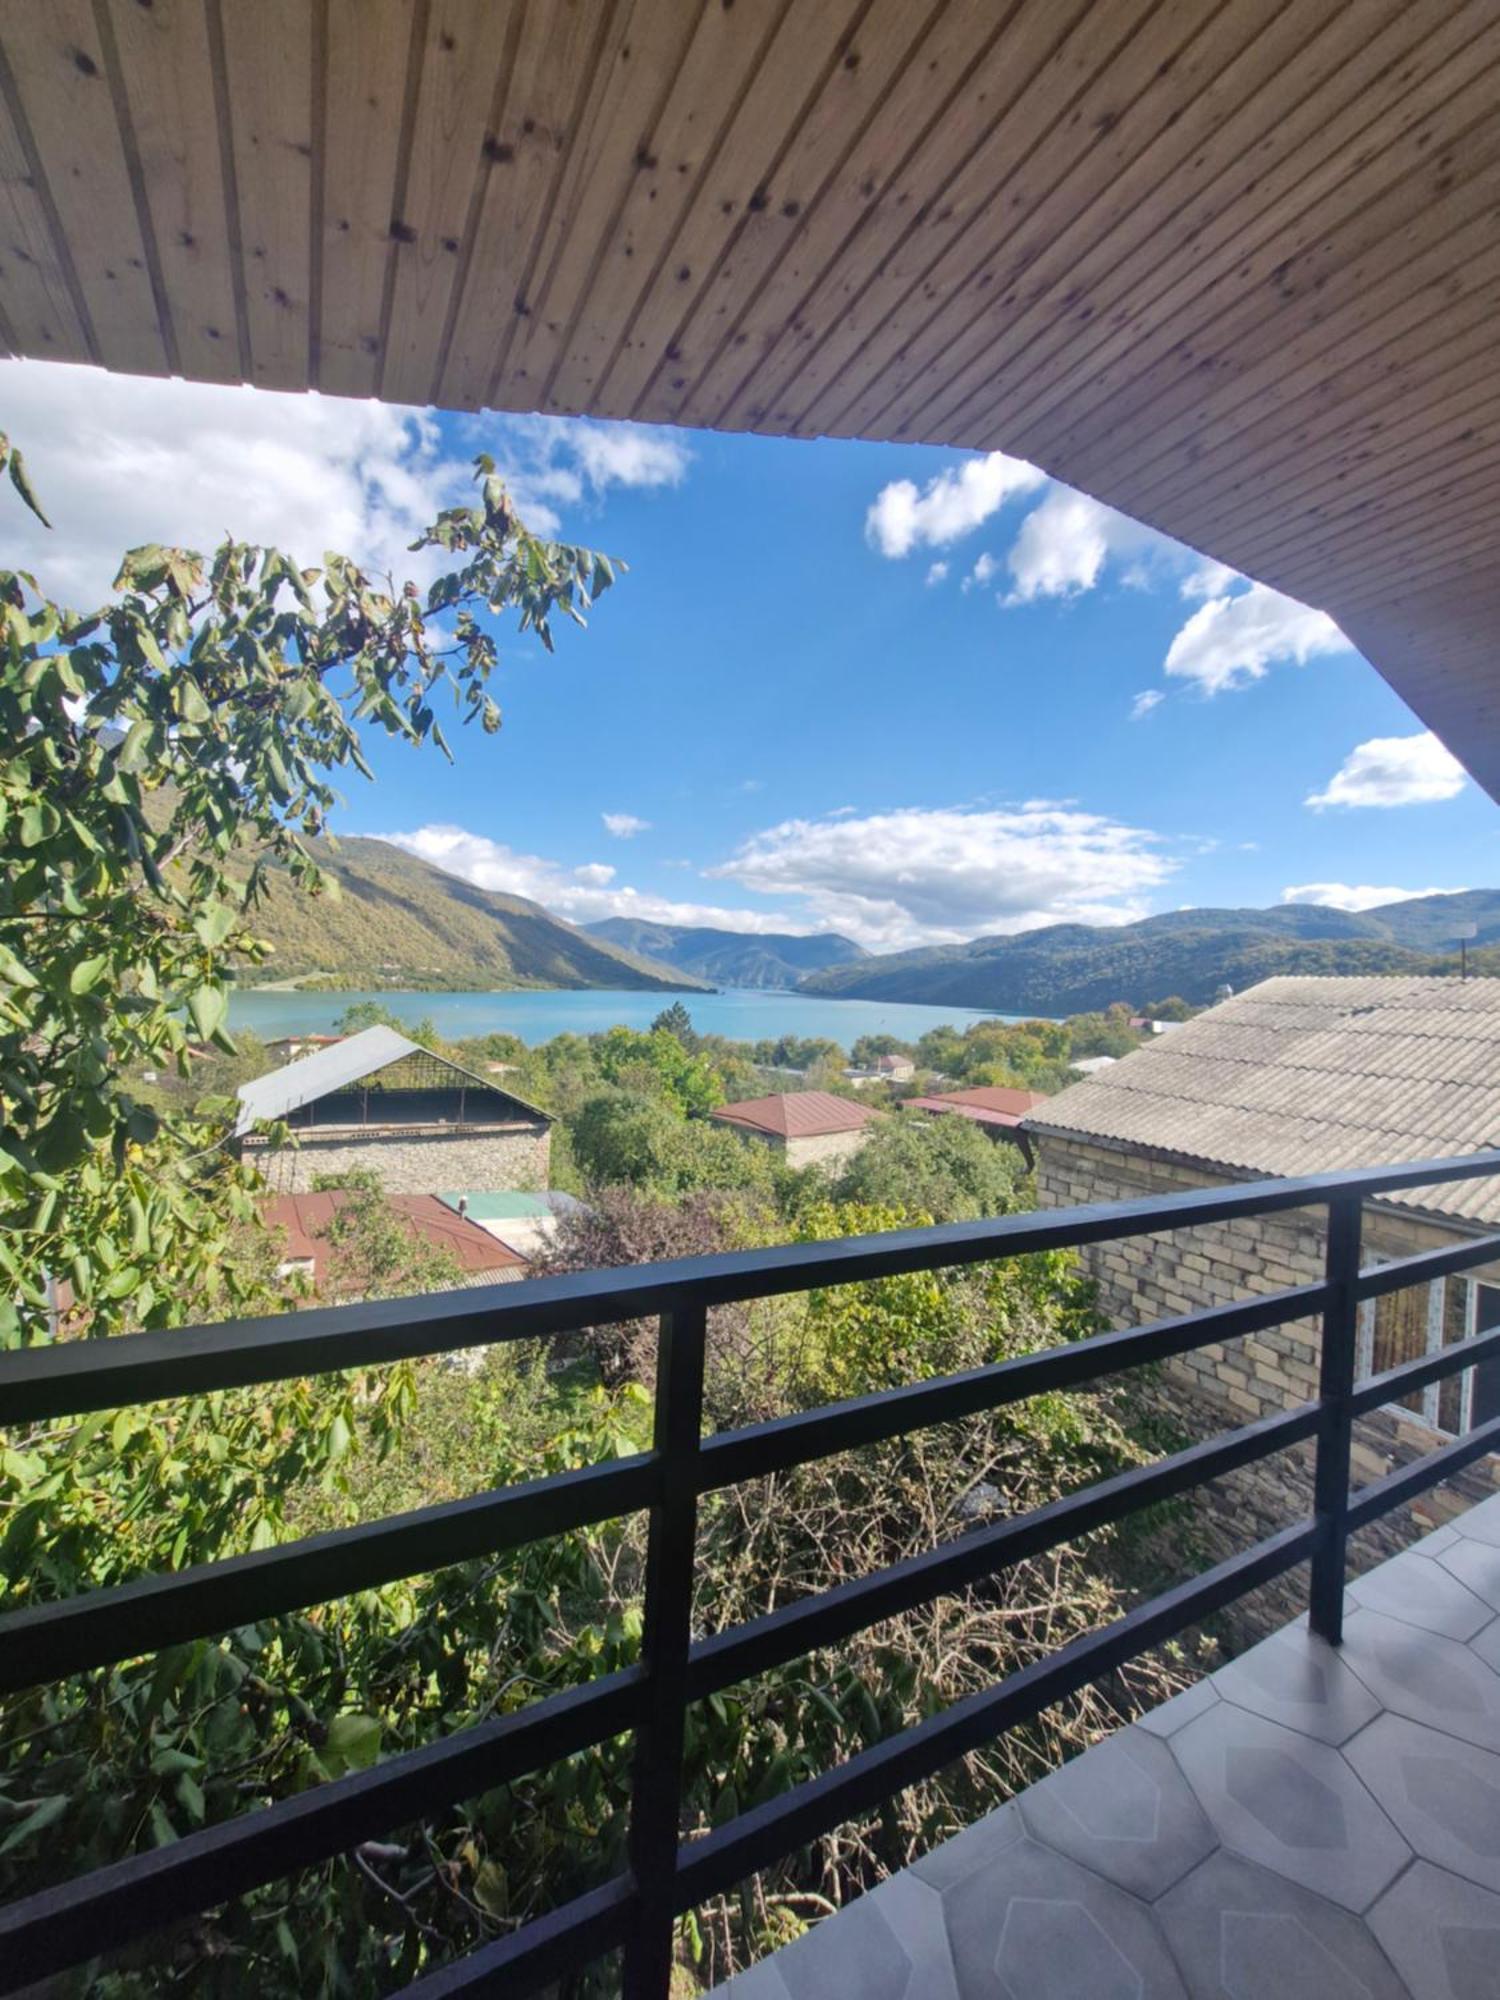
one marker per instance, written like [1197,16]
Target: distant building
[809,1127]
[886,1069]
[524,1222]
[1091,1065]
[303,1221]
[999,1108]
[287,1048]
[379,1102]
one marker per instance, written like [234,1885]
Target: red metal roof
[797,1114]
[303,1220]
[985,1103]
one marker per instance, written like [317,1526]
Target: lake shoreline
[535,1015]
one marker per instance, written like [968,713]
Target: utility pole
[1464,933]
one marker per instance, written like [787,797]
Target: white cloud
[1064,544]
[951,504]
[936,573]
[624,826]
[1209,579]
[577,894]
[118,460]
[1145,701]
[1350,896]
[1230,641]
[1393,771]
[925,876]
[985,566]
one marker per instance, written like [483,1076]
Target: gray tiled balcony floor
[1304,1822]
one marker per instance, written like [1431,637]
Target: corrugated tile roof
[797,1114]
[1307,1075]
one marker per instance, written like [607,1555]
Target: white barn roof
[282,1091]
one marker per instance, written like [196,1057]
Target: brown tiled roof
[1307,1075]
[797,1114]
[303,1220]
[985,1103]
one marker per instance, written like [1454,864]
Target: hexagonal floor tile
[1037,1927]
[1441,1934]
[1125,1810]
[978,1846]
[1421,1591]
[1481,1523]
[1169,1716]
[1301,1682]
[872,1951]
[762,1982]
[1443,1795]
[1476,1565]
[1291,1804]
[1429,1679]
[1242,1933]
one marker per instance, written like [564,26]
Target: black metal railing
[78,1920]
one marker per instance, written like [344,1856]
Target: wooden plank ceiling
[1231,267]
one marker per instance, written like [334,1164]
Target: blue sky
[890,690]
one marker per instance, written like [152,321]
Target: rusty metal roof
[304,1219]
[1307,1075]
[985,1103]
[797,1114]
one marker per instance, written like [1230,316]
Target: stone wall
[416,1162]
[829,1150]
[1144,1278]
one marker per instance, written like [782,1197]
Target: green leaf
[45,1813]
[492,1890]
[87,973]
[22,485]
[353,1741]
[208,1006]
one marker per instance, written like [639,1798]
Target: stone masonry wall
[1216,1388]
[415,1163]
[829,1150]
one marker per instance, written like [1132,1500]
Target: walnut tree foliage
[162,757]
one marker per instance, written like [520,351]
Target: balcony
[635,1913]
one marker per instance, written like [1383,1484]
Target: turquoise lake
[536,1017]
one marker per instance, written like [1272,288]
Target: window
[1403,1326]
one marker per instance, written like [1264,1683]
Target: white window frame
[1428,1414]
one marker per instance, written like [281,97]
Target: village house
[1298,1076]
[807,1127]
[997,1108]
[303,1223]
[377,1102]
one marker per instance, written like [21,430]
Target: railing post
[656,1797]
[1335,1388]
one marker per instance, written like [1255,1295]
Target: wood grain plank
[636,284]
[842,81]
[467,48]
[647,44]
[39,308]
[944,51]
[946,183]
[1182,57]
[60,77]
[548,87]
[164,68]
[268,71]
[1210,112]
[369,52]
[1198,271]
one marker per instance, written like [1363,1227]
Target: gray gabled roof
[282,1091]
[1312,1075]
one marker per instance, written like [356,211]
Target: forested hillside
[729,958]
[1073,968]
[398,921]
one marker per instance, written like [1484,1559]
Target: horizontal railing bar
[1382,1495]
[542,1951]
[759,1449]
[99,1627]
[1426,1268]
[74,1921]
[1393,1383]
[768,1832]
[71,1377]
[798,1628]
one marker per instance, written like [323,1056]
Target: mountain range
[398,921]
[775,959]
[1074,968]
